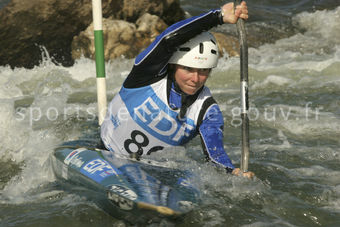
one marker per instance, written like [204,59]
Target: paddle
[244,90]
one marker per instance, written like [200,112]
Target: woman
[163,102]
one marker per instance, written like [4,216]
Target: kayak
[123,186]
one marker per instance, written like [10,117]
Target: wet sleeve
[151,65]
[211,132]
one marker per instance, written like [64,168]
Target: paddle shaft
[244,91]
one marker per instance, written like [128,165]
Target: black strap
[186,100]
[207,103]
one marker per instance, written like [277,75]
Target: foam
[272,80]
[12,133]
[315,49]
[300,60]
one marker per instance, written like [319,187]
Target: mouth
[192,86]
[191,89]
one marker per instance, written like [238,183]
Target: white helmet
[199,52]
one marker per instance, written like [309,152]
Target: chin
[190,92]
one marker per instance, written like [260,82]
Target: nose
[195,77]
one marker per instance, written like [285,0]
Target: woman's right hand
[231,16]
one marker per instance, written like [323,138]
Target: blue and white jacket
[143,117]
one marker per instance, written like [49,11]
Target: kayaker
[163,101]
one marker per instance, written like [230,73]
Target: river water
[294,66]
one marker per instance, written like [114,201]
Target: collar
[177,99]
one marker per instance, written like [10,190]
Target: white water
[35,116]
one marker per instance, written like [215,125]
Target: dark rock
[26,25]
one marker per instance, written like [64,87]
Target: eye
[204,71]
[199,71]
[189,69]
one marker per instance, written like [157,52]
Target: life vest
[140,120]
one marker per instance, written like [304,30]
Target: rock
[26,25]
[121,38]
[150,26]
[60,26]
[227,44]
[169,10]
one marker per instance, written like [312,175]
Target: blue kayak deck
[124,185]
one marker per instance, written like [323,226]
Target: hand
[248,174]
[231,16]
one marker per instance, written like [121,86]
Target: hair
[171,71]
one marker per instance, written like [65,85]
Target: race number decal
[137,142]
[121,196]
[136,146]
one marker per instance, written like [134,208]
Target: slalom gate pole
[244,90]
[100,61]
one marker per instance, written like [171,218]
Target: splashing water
[295,126]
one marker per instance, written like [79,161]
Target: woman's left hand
[248,174]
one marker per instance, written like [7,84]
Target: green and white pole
[100,61]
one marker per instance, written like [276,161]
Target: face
[190,80]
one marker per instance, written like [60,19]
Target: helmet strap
[186,100]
